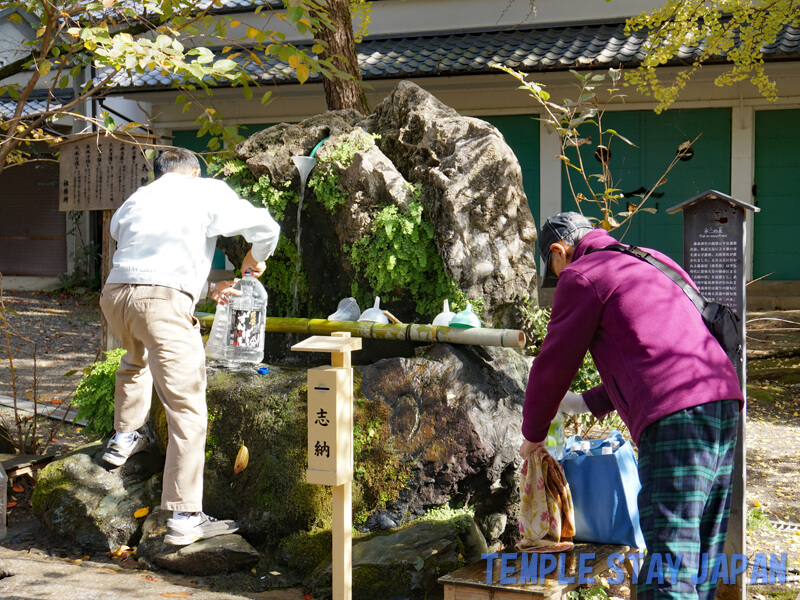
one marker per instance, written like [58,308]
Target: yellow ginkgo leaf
[242,458]
[302,73]
[142,512]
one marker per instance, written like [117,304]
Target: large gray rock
[270,150]
[221,554]
[455,416]
[472,189]
[409,561]
[87,503]
[470,186]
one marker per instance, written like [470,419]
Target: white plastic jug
[237,336]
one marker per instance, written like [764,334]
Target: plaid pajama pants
[685,468]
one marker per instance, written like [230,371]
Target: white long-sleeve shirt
[166,231]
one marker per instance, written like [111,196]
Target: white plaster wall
[402,16]
[393,17]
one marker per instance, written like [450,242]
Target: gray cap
[553,230]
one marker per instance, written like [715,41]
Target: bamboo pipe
[409,332]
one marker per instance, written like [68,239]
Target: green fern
[94,396]
[400,255]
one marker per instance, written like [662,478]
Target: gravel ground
[52,337]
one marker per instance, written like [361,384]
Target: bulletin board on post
[99,172]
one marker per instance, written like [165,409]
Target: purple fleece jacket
[653,351]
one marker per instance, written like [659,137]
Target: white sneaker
[121,447]
[200,526]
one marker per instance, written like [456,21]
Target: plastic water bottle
[217,343]
[237,336]
[3,502]
[555,437]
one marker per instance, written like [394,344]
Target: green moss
[379,474]
[268,415]
[308,549]
[324,180]
[763,392]
[374,581]
[52,480]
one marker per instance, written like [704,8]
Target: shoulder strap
[696,297]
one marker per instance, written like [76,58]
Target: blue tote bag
[604,481]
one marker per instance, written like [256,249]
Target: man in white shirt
[166,235]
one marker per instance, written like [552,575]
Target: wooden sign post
[714,250]
[330,444]
[99,172]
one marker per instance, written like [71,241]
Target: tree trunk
[342,93]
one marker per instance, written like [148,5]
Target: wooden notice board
[98,172]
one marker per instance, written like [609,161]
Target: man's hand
[255,267]
[527,447]
[222,292]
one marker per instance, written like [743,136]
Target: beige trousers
[165,350]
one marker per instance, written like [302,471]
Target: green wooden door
[657,138]
[521,133]
[777,160]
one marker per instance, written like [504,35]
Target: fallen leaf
[18,488]
[274,573]
[11,504]
[176,594]
[242,458]
[121,552]
[142,512]
[148,578]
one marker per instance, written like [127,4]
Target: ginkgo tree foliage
[87,46]
[735,29]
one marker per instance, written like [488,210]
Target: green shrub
[94,396]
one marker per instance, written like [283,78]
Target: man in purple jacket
[662,371]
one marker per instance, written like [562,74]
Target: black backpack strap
[696,297]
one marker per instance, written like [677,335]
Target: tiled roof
[541,49]
[37,102]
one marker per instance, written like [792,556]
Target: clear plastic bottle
[237,336]
[217,343]
[3,502]
[555,437]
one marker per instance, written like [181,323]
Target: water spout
[304,165]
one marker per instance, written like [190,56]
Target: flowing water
[304,165]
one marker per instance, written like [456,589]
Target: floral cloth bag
[547,518]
